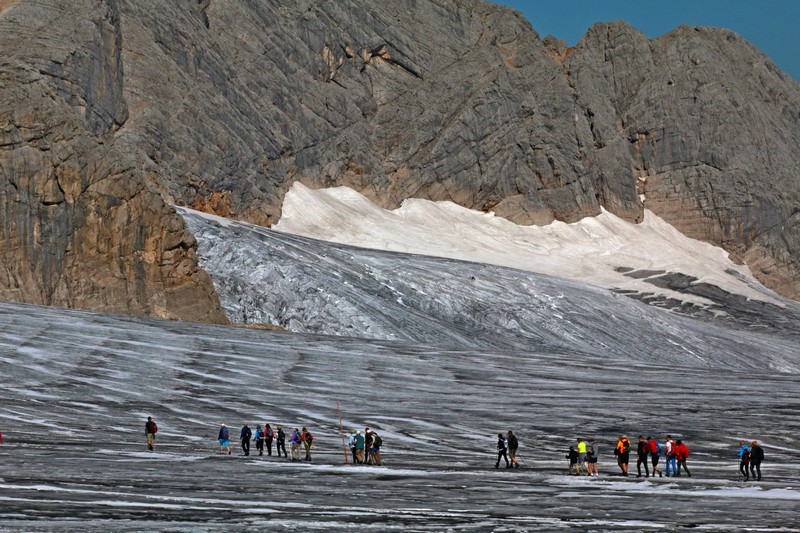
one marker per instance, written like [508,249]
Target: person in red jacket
[682,453]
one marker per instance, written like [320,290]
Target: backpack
[309,437]
[269,434]
[626,446]
[154,428]
[377,442]
[746,456]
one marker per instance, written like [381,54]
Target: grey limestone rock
[221,105]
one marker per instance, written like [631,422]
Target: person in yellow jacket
[582,456]
[623,453]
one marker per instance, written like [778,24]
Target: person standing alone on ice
[502,451]
[513,446]
[150,429]
[245,438]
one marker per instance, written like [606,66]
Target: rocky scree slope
[221,105]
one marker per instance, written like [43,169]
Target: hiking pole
[341,432]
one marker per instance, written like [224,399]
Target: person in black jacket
[502,451]
[150,429]
[756,456]
[574,466]
[641,457]
[513,446]
[281,442]
[245,437]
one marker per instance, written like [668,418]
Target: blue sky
[771,25]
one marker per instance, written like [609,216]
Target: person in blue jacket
[259,438]
[224,436]
[744,459]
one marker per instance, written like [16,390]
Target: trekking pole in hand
[341,432]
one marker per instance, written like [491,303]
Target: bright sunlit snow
[589,250]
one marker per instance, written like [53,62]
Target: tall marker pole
[341,432]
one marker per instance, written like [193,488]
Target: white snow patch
[589,250]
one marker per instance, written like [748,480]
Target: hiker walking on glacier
[150,429]
[671,457]
[655,454]
[681,454]
[582,455]
[259,438]
[269,436]
[502,451]
[574,457]
[245,438]
[642,451]
[307,438]
[280,440]
[756,456]
[591,458]
[223,437]
[513,446]
[294,444]
[744,460]
[623,453]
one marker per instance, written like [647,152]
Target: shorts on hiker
[224,442]
[655,457]
[591,460]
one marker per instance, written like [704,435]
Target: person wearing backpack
[669,451]
[307,439]
[513,446]
[224,443]
[360,444]
[744,460]
[623,453]
[294,443]
[368,446]
[375,450]
[642,451]
[269,436]
[682,453]
[574,457]
[150,430]
[259,438]
[756,456]
[591,458]
[245,438]
[281,442]
[655,454]
[502,451]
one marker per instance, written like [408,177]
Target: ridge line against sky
[773,26]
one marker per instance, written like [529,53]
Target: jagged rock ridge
[220,105]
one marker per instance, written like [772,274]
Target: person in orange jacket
[623,453]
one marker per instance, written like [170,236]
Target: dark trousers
[269,446]
[642,460]
[683,464]
[743,469]
[755,467]
[355,456]
[504,455]
[281,446]
[260,446]
[246,446]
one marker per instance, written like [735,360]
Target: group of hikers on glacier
[366,449]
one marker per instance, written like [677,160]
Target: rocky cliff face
[80,224]
[220,105]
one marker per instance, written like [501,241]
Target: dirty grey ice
[438,356]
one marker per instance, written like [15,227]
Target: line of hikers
[675,452]
[366,449]
[265,437]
